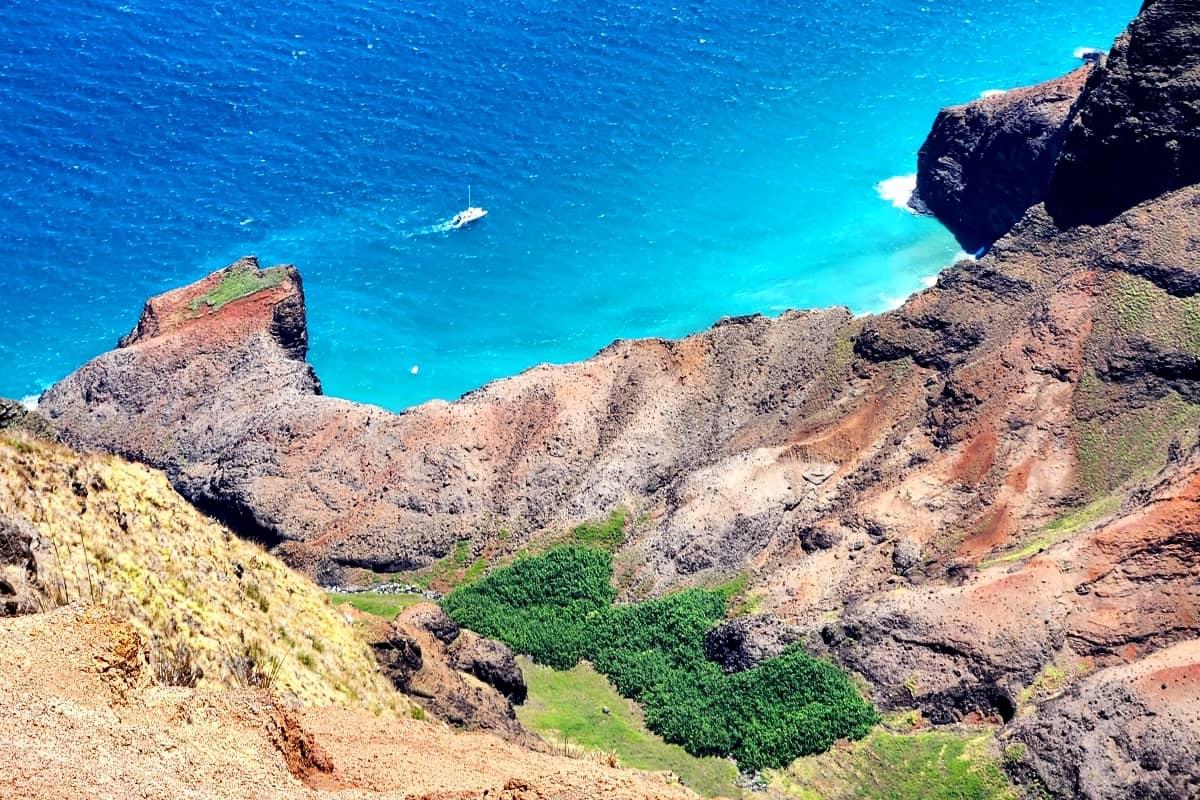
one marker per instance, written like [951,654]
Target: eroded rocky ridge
[954,499]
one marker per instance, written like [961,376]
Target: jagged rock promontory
[986,502]
[985,163]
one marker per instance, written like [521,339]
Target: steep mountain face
[986,501]
[986,162]
[1136,130]
[218,400]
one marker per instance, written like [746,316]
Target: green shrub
[608,534]
[558,608]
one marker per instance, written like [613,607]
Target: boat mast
[468,195]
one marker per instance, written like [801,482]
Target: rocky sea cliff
[986,503]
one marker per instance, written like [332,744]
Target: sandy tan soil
[79,718]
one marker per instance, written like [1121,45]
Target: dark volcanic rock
[986,162]
[399,657]
[1153,370]
[745,642]
[16,417]
[1135,133]
[1129,732]
[21,592]
[430,617]
[490,661]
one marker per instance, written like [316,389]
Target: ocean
[647,168]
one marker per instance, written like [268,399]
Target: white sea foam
[445,226]
[898,190]
[986,93]
[30,402]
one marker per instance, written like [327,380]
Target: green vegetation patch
[238,283]
[558,608]
[381,605]
[1060,530]
[607,534]
[900,766]
[1114,448]
[569,709]
[461,567]
[456,568]
[1135,305]
[1051,681]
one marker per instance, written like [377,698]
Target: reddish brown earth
[81,719]
[952,498]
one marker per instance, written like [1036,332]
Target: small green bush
[607,534]
[558,608]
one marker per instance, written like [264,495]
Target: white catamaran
[471,214]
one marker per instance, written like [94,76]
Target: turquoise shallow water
[648,169]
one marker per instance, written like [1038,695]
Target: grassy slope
[567,708]
[239,283]
[887,765]
[381,605]
[117,534]
[462,567]
[1117,443]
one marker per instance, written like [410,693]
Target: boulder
[985,163]
[491,662]
[745,642]
[21,591]
[431,618]
[906,554]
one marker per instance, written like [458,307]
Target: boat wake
[898,191]
[445,226]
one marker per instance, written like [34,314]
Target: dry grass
[217,611]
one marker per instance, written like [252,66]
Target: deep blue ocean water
[648,168]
